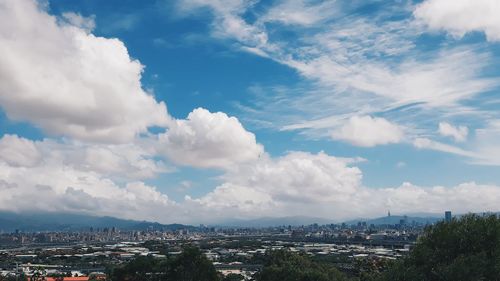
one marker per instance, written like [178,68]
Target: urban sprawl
[87,254]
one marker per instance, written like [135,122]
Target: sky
[201,111]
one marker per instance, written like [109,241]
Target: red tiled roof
[66,279]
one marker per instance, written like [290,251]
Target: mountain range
[10,221]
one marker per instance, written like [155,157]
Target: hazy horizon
[42,221]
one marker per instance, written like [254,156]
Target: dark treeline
[190,265]
[463,249]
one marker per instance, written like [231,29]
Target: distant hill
[10,221]
[269,222]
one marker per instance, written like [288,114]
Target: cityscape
[89,254]
[250,140]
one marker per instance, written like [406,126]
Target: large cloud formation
[69,82]
[209,140]
[280,185]
[388,70]
[368,131]
[320,185]
[50,177]
[88,89]
[459,17]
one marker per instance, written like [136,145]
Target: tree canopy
[190,265]
[288,266]
[463,249]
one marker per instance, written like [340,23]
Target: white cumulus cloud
[368,131]
[320,185]
[296,184]
[459,133]
[459,17]
[18,151]
[88,89]
[209,140]
[59,188]
[481,149]
[72,83]
[283,186]
[123,161]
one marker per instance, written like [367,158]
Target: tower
[447,216]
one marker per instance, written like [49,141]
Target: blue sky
[394,102]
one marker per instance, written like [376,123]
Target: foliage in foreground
[287,266]
[190,265]
[463,249]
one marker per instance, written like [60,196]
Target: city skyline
[198,111]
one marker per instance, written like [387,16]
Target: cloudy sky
[197,111]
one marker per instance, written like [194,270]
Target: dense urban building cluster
[455,248]
[91,252]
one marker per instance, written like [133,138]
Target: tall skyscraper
[447,216]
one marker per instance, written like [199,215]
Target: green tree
[139,269]
[283,265]
[57,276]
[461,250]
[191,265]
[39,274]
[13,278]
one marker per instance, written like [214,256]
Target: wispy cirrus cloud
[359,64]
[481,149]
[301,12]
[365,81]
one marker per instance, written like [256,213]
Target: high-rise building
[447,216]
